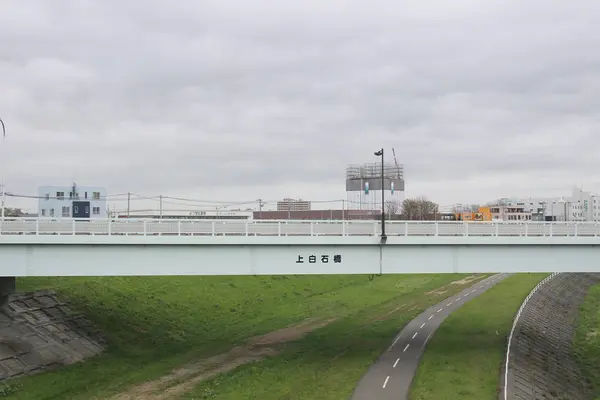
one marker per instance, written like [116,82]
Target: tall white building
[583,206]
[72,202]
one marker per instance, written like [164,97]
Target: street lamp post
[3,194]
[383,235]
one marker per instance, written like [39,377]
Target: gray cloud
[248,99]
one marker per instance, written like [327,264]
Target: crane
[396,162]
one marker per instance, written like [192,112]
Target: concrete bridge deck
[42,247]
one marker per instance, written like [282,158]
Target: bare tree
[460,208]
[410,209]
[428,209]
[392,208]
[419,209]
[13,212]
[474,207]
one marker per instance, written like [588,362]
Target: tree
[13,212]
[391,208]
[410,209]
[473,207]
[460,208]
[419,209]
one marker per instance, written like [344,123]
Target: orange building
[482,214]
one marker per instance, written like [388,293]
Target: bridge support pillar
[8,285]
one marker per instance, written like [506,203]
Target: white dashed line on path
[450,301]
[428,336]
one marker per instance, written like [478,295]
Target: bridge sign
[312,259]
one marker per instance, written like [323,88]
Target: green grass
[328,363]
[463,359]
[155,324]
[587,338]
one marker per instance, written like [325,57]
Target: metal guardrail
[514,326]
[149,227]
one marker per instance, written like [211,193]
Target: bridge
[118,247]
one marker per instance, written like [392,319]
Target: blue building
[72,202]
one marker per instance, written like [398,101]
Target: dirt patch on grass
[592,334]
[184,379]
[290,333]
[461,282]
[385,314]
[467,280]
[437,292]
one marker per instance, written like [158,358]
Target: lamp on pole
[380,154]
[3,194]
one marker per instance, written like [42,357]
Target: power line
[202,204]
[26,196]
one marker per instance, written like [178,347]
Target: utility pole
[161,208]
[383,235]
[128,203]
[260,206]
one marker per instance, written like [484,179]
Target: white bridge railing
[148,227]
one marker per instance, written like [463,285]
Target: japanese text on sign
[324,259]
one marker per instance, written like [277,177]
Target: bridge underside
[109,256]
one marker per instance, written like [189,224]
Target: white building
[580,206]
[583,206]
[72,202]
[510,212]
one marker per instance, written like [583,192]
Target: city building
[580,206]
[318,215]
[504,212]
[293,205]
[230,215]
[72,202]
[529,207]
[482,214]
[363,185]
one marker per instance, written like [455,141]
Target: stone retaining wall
[39,332]
[541,364]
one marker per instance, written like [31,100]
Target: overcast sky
[245,99]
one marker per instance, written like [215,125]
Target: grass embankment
[329,363]
[156,324]
[587,338]
[463,359]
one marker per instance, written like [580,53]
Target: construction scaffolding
[363,185]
